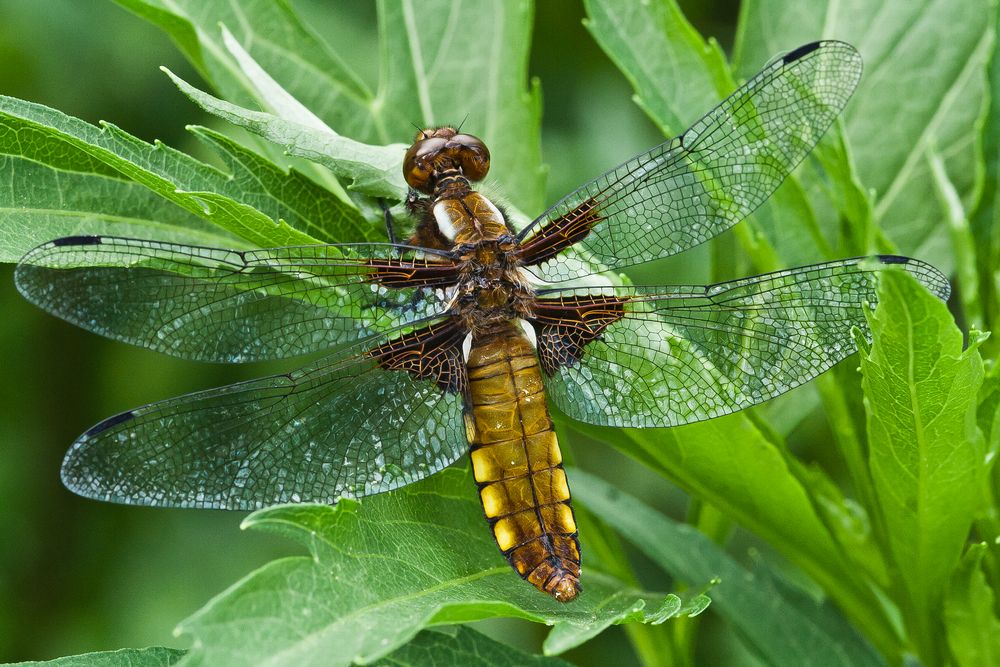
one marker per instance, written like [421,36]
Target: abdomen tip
[565,588]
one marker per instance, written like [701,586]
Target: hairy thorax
[492,290]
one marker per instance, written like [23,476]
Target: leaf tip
[977,337]
[861,340]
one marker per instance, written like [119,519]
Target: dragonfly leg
[390,222]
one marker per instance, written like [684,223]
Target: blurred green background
[77,575]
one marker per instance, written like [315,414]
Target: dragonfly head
[437,149]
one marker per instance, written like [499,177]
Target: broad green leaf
[440,60]
[848,199]
[39,131]
[272,96]
[156,656]
[969,615]
[39,203]
[923,84]
[464,647]
[289,195]
[788,222]
[276,38]
[926,453]
[732,464]
[445,60]
[687,76]
[755,487]
[376,171]
[381,571]
[686,79]
[784,628]
[441,648]
[54,188]
[849,522]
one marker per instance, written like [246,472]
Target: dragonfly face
[437,153]
[438,359]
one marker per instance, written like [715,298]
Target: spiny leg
[390,229]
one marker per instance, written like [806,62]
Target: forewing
[232,306]
[344,426]
[657,356]
[703,182]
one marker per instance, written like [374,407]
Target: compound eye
[418,165]
[472,155]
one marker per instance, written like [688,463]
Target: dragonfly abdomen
[518,466]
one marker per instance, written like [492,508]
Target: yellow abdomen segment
[518,466]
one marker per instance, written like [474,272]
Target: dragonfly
[455,340]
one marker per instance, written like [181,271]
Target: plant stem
[717,527]
[842,425]
[653,644]
[855,598]
[963,246]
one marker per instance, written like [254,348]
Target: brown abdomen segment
[518,466]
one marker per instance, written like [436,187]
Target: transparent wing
[344,426]
[232,306]
[703,182]
[664,356]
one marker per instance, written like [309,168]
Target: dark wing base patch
[564,327]
[402,273]
[559,234]
[431,353]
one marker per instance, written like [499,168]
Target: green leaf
[39,203]
[848,520]
[440,61]
[755,487]
[986,216]
[784,628]
[48,136]
[272,96]
[688,78]
[289,195]
[446,59]
[848,202]
[376,171]
[988,412]
[969,614]
[926,453]
[465,647]
[730,463]
[156,656]
[381,571]
[462,646]
[922,85]
[963,245]
[278,39]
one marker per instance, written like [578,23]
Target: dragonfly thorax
[492,290]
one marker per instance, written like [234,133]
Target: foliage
[884,545]
[382,571]
[446,646]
